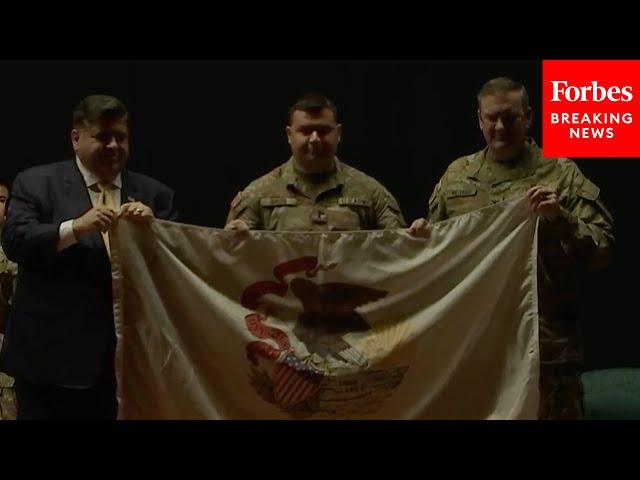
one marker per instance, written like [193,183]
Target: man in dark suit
[60,341]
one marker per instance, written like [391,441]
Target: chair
[611,394]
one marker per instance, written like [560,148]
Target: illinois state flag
[349,325]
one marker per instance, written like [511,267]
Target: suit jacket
[61,330]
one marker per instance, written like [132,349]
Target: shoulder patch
[589,190]
[434,194]
[236,200]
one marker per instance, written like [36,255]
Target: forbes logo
[589,93]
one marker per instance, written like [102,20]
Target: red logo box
[591,108]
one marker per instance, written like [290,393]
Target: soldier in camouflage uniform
[8,274]
[314,191]
[575,228]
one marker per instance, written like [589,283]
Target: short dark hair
[503,84]
[5,183]
[312,103]
[97,107]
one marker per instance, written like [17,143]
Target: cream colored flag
[362,325]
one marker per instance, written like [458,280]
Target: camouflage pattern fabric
[582,236]
[346,199]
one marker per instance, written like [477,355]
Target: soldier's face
[103,147]
[504,124]
[314,138]
[4,196]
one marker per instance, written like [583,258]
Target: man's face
[103,147]
[314,138]
[504,124]
[4,196]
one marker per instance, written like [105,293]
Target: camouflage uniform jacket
[582,236]
[286,200]
[8,274]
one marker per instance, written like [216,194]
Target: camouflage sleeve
[586,226]
[387,209]
[8,409]
[436,210]
[8,274]
[4,301]
[245,207]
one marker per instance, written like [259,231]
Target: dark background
[207,128]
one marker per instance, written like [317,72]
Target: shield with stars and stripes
[295,382]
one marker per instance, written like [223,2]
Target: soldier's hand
[98,219]
[238,226]
[137,211]
[240,232]
[420,228]
[544,201]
